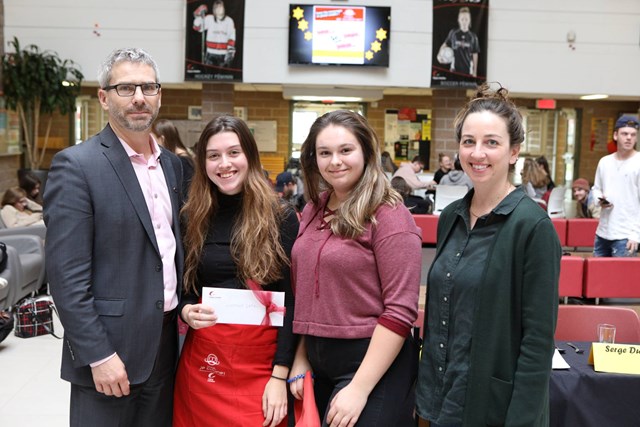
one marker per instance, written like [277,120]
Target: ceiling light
[331,94]
[595,96]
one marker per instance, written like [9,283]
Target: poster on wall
[460,32]
[214,39]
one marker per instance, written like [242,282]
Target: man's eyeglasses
[129,89]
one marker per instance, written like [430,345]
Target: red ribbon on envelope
[265,299]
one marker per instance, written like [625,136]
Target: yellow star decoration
[376,46]
[298,13]
[303,25]
[308,35]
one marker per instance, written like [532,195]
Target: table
[582,397]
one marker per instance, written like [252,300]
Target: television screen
[339,35]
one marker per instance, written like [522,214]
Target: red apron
[222,374]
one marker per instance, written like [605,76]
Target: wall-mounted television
[339,35]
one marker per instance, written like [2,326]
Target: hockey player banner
[214,37]
[460,33]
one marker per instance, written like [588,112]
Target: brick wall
[270,106]
[216,98]
[176,102]
[446,104]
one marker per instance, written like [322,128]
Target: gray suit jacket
[103,263]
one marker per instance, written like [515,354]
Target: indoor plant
[37,84]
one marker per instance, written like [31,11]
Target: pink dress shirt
[156,194]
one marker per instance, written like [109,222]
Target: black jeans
[335,362]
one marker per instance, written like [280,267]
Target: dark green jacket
[514,320]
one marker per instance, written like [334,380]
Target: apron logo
[212,360]
[211,372]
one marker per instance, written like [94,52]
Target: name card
[241,307]
[615,358]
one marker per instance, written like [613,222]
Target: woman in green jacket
[492,290]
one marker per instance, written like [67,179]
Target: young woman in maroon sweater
[356,272]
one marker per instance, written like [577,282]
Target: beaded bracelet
[278,378]
[294,379]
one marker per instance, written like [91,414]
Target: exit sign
[546,104]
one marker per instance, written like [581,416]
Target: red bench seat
[612,278]
[429,226]
[571,275]
[581,232]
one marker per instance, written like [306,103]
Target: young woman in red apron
[237,231]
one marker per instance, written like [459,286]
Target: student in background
[287,189]
[18,210]
[585,205]
[387,163]
[415,204]
[457,176]
[617,189]
[32,185]
[534,179]
[168,136]
[543,163]
[238,236]
[491,304]
[444,167]
[356,267]
[408,171]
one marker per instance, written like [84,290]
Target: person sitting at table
[492,294]
[457,176]
[416,204]
[585,205]
[18,210]
[408,171]
[445,166]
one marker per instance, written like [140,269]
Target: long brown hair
[373,188]
[255,239]
[172,140]
[534,174]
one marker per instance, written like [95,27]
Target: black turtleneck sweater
[217,268]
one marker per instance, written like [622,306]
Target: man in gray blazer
[114,257]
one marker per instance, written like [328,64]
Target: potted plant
[36,85]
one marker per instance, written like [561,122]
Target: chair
[446,194]
[36,230]
[580,322]
[30,268]
[555,204]
[10,274]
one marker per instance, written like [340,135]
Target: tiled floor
[32,393]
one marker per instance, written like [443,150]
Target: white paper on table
[240,306]
[558,361]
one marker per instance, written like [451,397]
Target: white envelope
[241,307]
